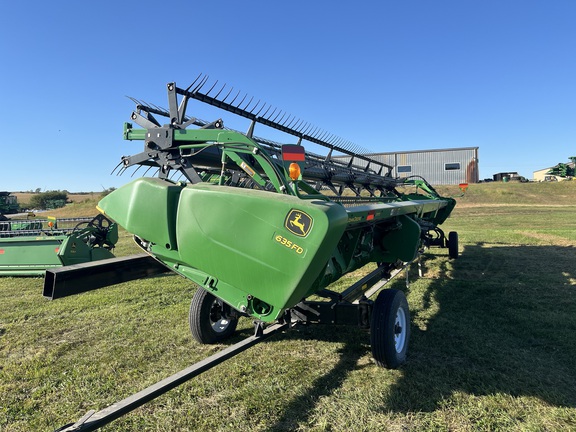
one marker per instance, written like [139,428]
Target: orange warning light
[294,171]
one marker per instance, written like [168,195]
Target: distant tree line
[49,200]
[564,170]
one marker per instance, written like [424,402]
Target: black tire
[390,329]
[211,320]
[453,244]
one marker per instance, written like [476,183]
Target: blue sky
[386,75]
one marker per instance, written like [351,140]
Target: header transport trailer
[264,229]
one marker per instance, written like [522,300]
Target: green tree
[49,200]
[107,191]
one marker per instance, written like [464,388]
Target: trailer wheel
[453,244]
[390,329]
[211,320]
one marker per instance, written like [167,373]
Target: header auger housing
[259,225]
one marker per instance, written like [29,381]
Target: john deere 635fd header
[261,226]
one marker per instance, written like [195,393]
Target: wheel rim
[218,321]
[400,330]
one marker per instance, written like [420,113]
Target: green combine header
[261,226]
[30,246]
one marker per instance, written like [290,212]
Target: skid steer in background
[261,226]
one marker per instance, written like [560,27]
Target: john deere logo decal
[298,223]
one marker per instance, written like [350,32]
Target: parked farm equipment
[264,229]
[30,246]
[8,203]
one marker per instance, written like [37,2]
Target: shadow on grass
[499,320]
[298,411]
[505,324]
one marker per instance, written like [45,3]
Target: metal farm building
[445,166]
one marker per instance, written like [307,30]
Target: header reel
[211,152]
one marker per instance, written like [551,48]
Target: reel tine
[298,125]
[280,112]
[212,88]
[224,100]
[194,82]
[260,110]
[248,104]
[133,99]
[122,170]
[116,167]
[135,171]
[282,118]
[142,104]
[271,114]
[318,134]
[243,99]
[218,94]
[200,84]
[160,110]
[307,128]
[235,97]
[312,132]
[294,121]
[336,139]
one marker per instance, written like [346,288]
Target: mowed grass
[493,342]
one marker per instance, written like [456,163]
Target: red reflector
[57,250]
[293,153]
[370,216]
[1,251]
[293,157]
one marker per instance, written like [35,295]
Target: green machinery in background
[30,246]
[8,204]
[261,226]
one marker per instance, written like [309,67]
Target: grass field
[493,342]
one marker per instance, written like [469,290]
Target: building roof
[423,151]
